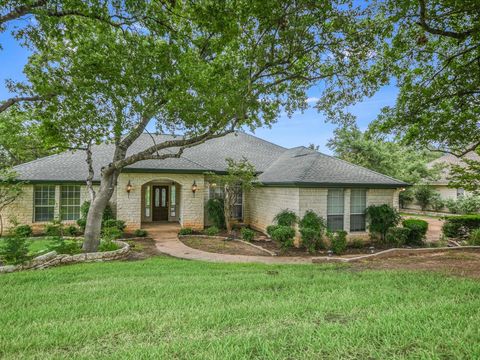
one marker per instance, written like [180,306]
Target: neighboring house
[162,190]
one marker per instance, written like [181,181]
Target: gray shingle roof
[277,165]
[446,161]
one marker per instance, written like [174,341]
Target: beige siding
[382,196]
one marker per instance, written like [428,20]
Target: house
[177,190]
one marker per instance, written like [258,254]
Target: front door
[160,203]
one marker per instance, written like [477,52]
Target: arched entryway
[161,201]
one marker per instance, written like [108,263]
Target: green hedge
[460,226]
[418,229]
[284,235]
[397,236]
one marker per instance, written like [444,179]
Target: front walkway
[165,236]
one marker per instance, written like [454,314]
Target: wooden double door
[160,203]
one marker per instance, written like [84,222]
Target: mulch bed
[219,246]
[142,248]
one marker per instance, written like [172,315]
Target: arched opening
[161,201]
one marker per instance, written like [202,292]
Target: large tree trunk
[95,214]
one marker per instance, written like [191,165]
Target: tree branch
[91,172]
[12,101]
[21,11]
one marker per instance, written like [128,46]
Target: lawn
[36,245]
[166,308]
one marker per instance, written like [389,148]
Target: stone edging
[390,252]
[271,253]
[53,259]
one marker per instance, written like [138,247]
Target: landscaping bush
[85,207]
[406,197]
[185,231]
[111,233]
[357,243]
[82,223]
[14,250]
[474,238]
[418,229]
[424,195]
[284,235]
[286,218]
[119,224]
[108,245]
[62,246]
[271,229]
[397,236]
[247,234]
[23,231]
[381,218]
[312,227]
[460,226]
[215,212]
[464,205]
[338,241]
[55,228]
[71,230]
[211,231]
[140,233]
[437,203]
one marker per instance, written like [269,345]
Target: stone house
[176,190]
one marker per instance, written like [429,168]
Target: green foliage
[10,188]
[140,233]
[111,233]
[185,231]
[464,205]
[397,236]
[460,226]
[211,231]
[55,228]
[271,229]
[311,228]
[381,218]
[82,223]
[112,223]
[286,218]
[474,238]
[424,195]
[437,203]
[14,250]
[85,207]
[406,197]
[215,212]
[23,231]
[338,241]
[108,245]
[357,243]
[62,246]
[284,235]
[418,229]
[391,158]
[247,234]
[71,230]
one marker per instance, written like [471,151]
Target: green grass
[172,309]
[36,244]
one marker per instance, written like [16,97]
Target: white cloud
[312,100]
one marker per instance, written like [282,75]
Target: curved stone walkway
[165,236]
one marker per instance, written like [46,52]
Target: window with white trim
[335,209]
[217,192]
[358,204]
[44,203]
[69,202]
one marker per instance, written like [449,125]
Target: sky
[301,129]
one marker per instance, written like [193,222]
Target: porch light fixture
[194,188]
[129,188]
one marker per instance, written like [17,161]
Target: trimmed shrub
[215,212]
[284,235]
[54,229]
[460,226]
[418,229]
[111,233]
[14,250]
[211,231]
[71,230]
[62,246]
[247,234]
[108,245]
[185,231]
[311,229]
[338,241]
[82,223]
[357,243]
[119,224]
[381,218]
[271,229]
[397,236]
[140,233]
[474,238]
[22,231]
[286,218]
[85,207]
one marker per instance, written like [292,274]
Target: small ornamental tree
[381,218]
[425,196]
[10,190]
[240,175]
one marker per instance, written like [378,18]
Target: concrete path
[165,236]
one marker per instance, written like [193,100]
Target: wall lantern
[194,188]
[129,188]
[213,185]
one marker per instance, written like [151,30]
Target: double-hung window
[358,204]
[217,192]
[44,202]
[335,209]
[70,202]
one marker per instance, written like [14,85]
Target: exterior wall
[445,192]
[129,208]
[22,210]
[263,203]
[382,196]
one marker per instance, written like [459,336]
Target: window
[335,209]
[358,204]
[216,192]
[147,201]
[44,202]
[70,202]
[173,200]
[460,193]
